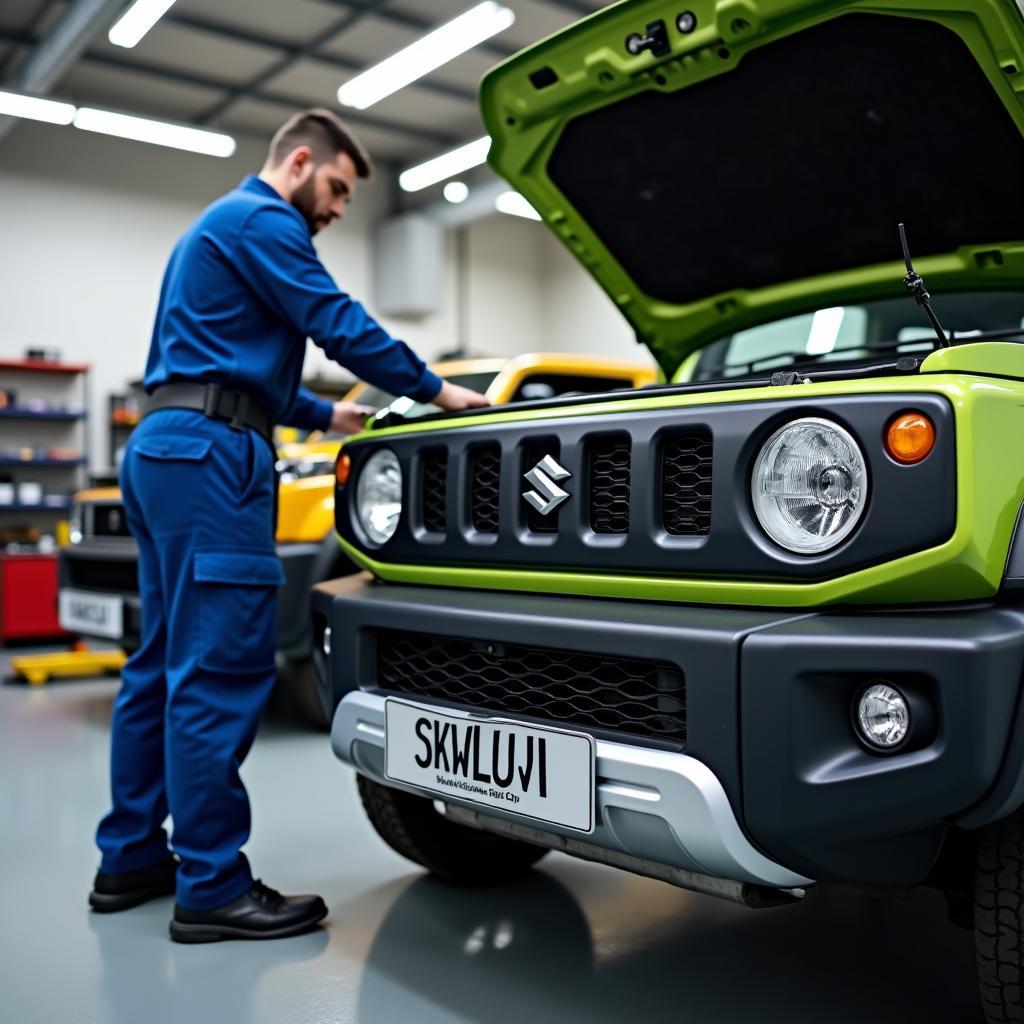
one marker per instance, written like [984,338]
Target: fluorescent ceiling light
[160,133]
[824,331]
[137,21]
[456,191]
[16,104]
[515,204]
[447,165]
[420,58]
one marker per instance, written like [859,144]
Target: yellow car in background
[99,595]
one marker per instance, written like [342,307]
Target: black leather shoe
[261,913]
[111,892]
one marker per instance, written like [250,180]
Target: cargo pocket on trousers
[237,610]
[174,447]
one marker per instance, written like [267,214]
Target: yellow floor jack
[78,662]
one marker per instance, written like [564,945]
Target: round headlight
[883,716]
[379,496]
[810,486]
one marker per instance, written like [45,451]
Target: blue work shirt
[243,290]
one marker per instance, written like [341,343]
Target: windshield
[855,332]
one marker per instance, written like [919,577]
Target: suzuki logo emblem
[548,495]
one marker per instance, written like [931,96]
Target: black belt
[236,408]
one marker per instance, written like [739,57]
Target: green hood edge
[525,124]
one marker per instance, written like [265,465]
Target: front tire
[999,919]
[412,827]
[297,679]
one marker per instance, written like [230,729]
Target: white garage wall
[578,314]
[87,224]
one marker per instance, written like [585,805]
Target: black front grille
[686,484]
[435,489]
[591,692]
[109,521]
[485,485]
[609,484]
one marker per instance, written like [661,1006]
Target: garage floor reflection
[571,942]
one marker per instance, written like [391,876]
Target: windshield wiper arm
[916,286]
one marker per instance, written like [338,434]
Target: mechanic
[243,290]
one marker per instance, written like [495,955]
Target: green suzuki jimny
[761,626]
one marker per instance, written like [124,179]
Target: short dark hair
[326,135]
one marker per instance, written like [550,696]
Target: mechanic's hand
[349,417]
[454,398]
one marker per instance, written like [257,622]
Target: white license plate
[92,614]
[543,774]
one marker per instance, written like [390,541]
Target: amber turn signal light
[910,437]
[342,468]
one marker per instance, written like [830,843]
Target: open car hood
[757,165]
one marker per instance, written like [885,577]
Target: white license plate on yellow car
[92,614]
[543,774]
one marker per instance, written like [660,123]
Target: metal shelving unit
[44,409]
[44,441]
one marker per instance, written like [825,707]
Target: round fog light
[883,716]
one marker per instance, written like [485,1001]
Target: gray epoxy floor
[575,942]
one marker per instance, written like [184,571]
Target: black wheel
[411,826]
[300,696]
[999,919]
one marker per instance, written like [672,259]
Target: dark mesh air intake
[686,484]
[435,487]
[608,459]
[586,691]
[485,481]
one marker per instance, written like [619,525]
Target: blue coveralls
[243,290]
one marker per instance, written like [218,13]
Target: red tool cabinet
[28,597]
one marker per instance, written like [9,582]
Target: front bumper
[652,804]
[772,785]
[108,568]
[111,569]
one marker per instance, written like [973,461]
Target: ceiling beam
[344,65]
[432,136]
[54,53]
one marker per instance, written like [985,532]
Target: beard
[304,200]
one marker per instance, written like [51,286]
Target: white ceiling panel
[467,71]
[320,82]
[240,45]
[535,19]
[316,81]
[92,84]
[431,110]
[170,46]
[261,120]
[293,22]
[21,14]
[374,38]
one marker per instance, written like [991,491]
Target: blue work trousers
[199,499]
